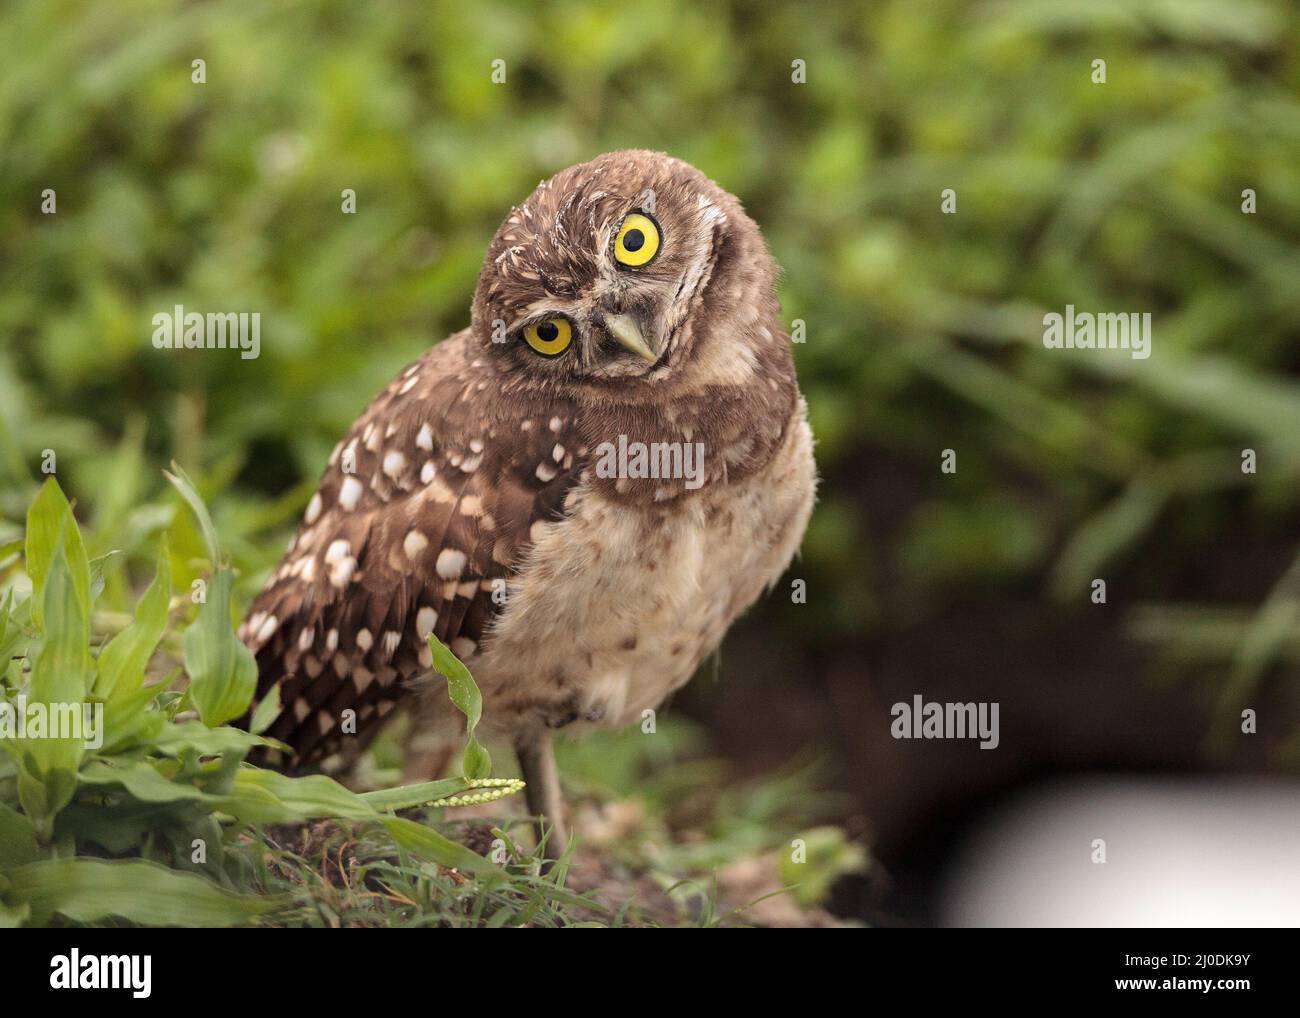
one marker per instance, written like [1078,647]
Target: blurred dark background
[923,332]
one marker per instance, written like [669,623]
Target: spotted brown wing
[425,510]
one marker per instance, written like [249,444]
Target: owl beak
[626,333]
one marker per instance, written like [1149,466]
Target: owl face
[598,278]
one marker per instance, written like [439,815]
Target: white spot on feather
[451,563]
[394,464]
[341,572]
[414,543]
[425,620]
[349,493]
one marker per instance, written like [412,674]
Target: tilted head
[629,274]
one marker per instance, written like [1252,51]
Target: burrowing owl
[578,493]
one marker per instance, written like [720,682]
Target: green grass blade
[181,482]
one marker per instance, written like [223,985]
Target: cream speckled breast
[618,604]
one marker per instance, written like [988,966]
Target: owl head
[631,272]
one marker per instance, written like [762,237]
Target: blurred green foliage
[99,765]
[923,329]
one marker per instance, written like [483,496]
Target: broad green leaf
[267,710]
[447,792]
[61,670]
[263,796]
[222,671]
[464,693]
[123,660]
[129,720]
[267,797]
[98,568]
[12,635]
[50,523]
[86,890]
[17,839]
[429,844]
[122,829]
[174,739]
[145,784]
[408,796]
[45,519]
[58,688]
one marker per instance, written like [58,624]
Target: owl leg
[537,763]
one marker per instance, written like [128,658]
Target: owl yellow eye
[550,337]
[637,241]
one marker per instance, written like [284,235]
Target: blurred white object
[1178,852]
